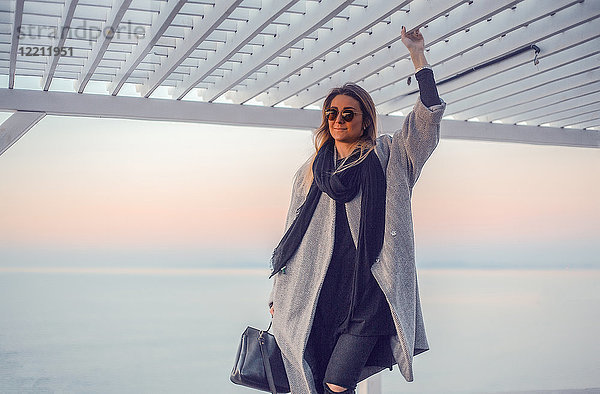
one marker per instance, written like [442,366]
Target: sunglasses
[347,114]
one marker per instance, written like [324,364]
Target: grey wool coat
[296,291]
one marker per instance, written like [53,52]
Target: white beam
[549,113]
[14,43]
[106,106]
[374,52]
[106,35]
[258,20]
[162,22]
[511,95]
[458,129]
[344,30]
[447,64]
[212,19]
[16,126]
[58,42]
[499,73]
[512,115]
[316,15]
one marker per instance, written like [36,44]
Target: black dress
[350,301]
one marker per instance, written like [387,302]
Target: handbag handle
[266,362]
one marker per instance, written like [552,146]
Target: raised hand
[415,43]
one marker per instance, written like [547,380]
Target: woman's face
[341,130]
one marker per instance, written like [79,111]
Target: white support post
[106,35]
[371,385]
[64,25]
[16,126]
[163,21]
[213,18]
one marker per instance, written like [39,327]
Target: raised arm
[415,43]
[420,132]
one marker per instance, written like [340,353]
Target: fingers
[411,35]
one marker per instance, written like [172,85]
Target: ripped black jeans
[343,367]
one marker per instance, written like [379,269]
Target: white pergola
[510,70]
[522,71]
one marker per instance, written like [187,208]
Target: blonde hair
[366,142]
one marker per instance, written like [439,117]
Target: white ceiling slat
[396,54]
[587,125]
[360,19]
[212,20]
[504,84]
[53,9]
[527,111]
[164,19]
[477,81]
[110,27]
[472,107]
[464,109]
[473,54]
[248,32]
[582,105]
[591,116]
[316,14]
[15,42]
[382,37]
[63,26]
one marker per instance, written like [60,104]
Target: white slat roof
[289,53]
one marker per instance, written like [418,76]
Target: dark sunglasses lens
[347,116]
[331,114]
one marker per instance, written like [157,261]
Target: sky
[113,191]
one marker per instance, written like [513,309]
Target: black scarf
[342,187]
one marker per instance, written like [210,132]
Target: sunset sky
[211,194]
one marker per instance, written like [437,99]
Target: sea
[150,330]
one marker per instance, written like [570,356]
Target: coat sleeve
[418,137]
[296,200]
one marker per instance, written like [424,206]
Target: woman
[345,302]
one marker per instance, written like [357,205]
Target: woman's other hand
[415,43]
[271,310]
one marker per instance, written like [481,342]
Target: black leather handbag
[258,363]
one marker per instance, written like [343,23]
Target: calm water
[163,331]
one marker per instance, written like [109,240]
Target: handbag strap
[266,363]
